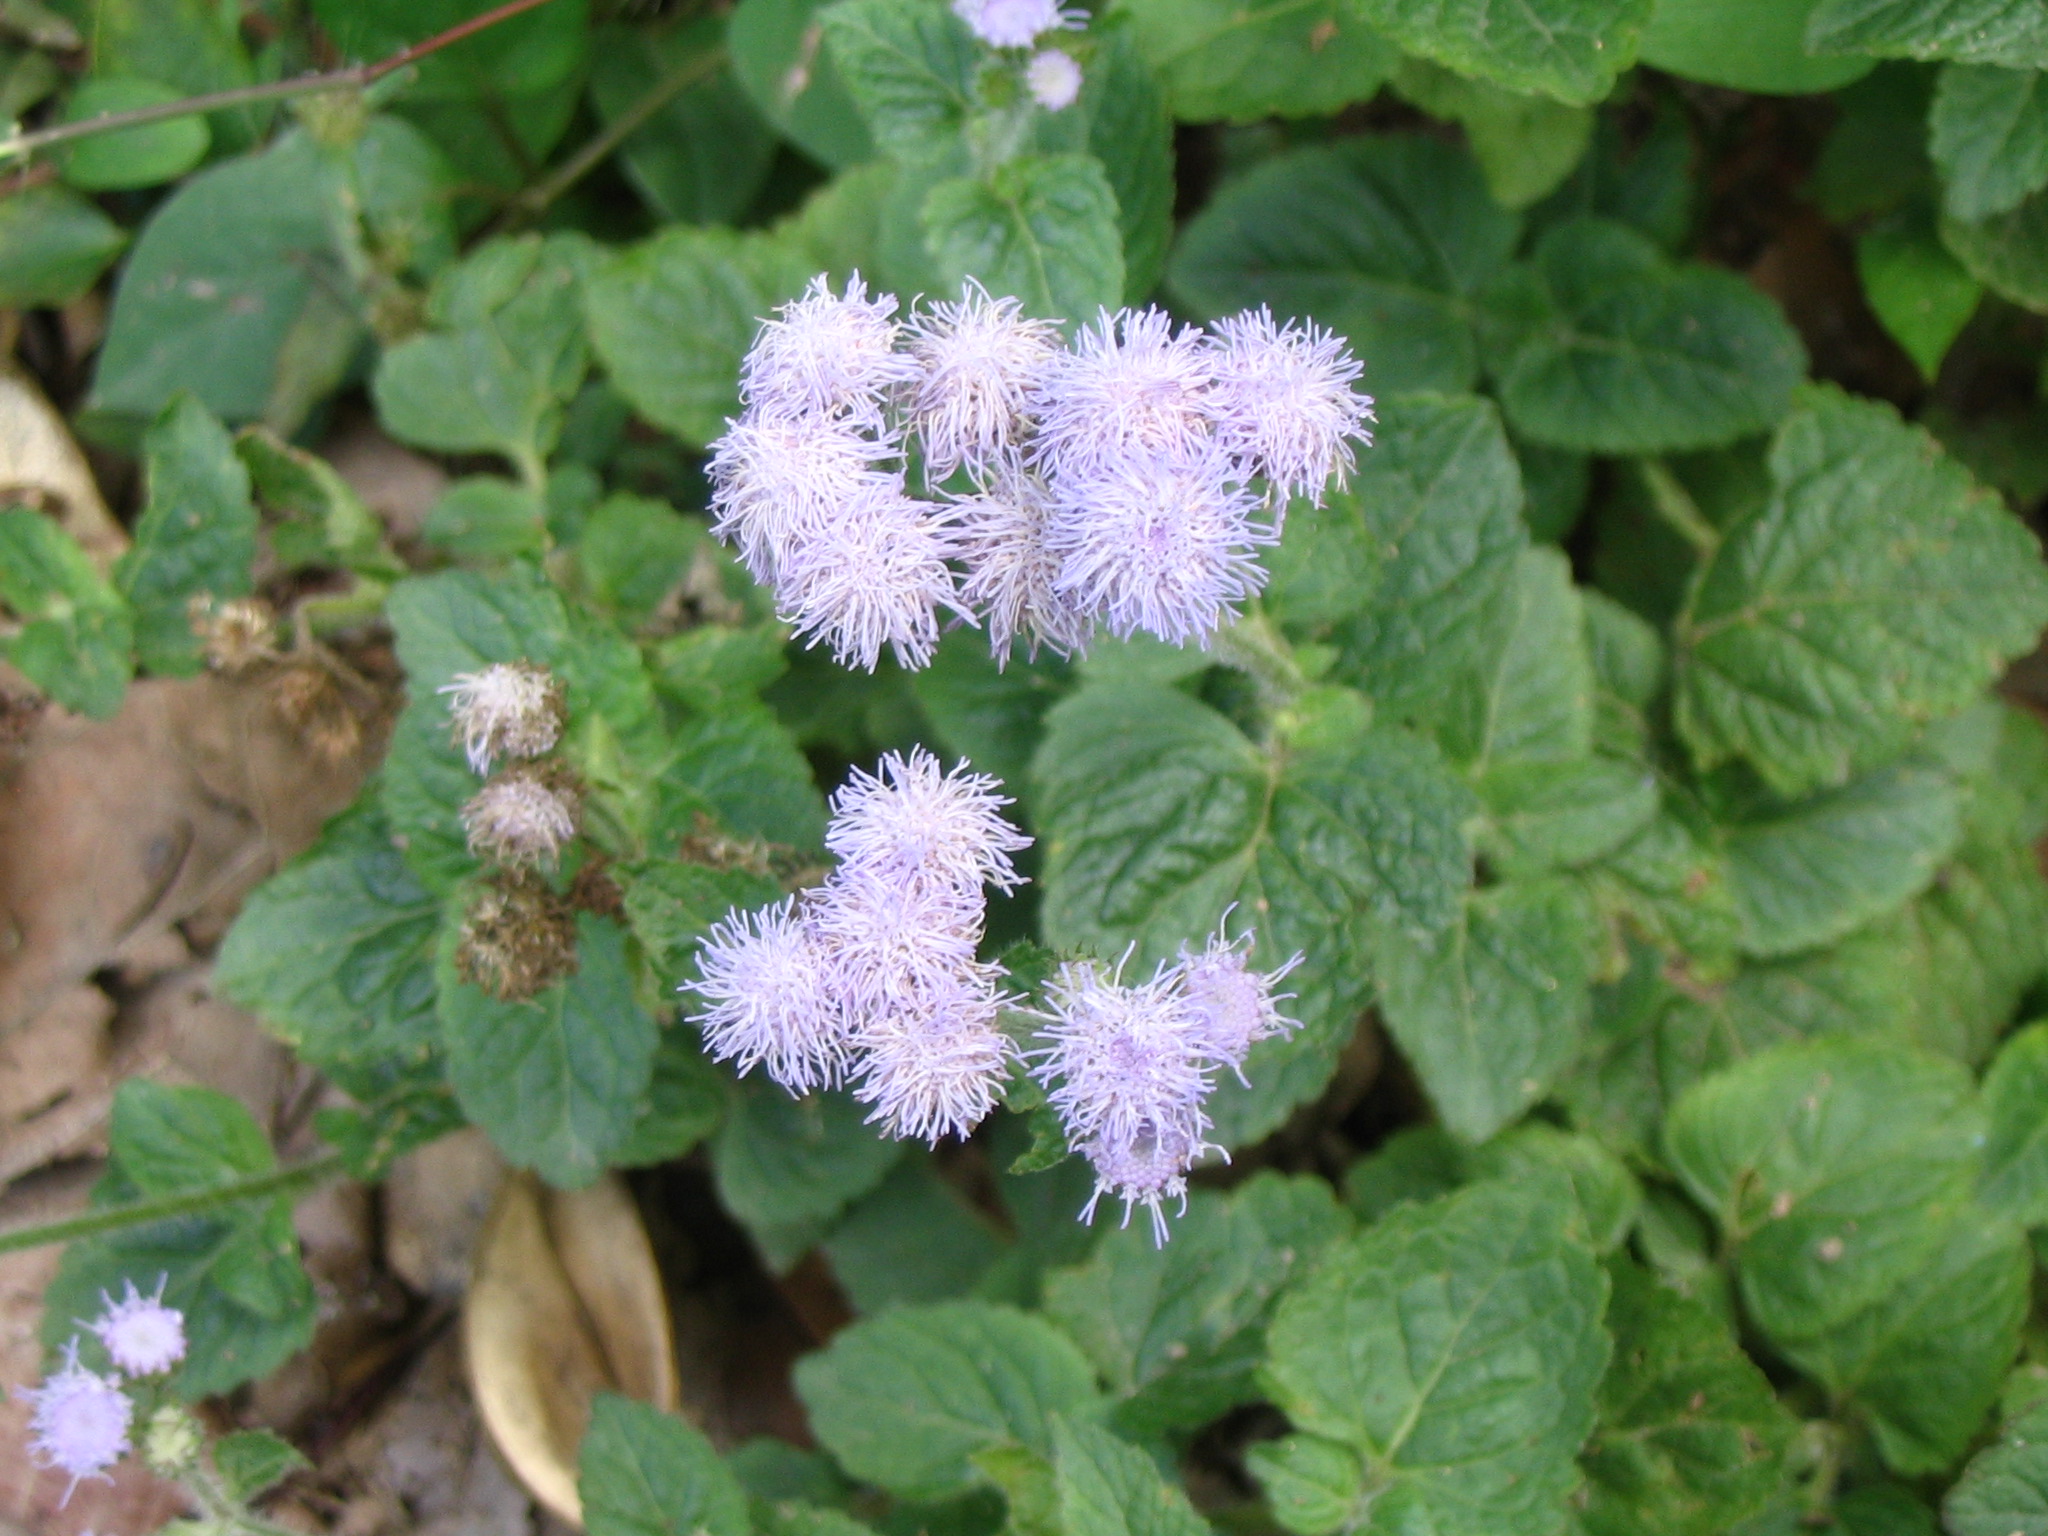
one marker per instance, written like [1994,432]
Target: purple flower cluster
[1127,481]
[81,1418]
[1129,1068]
[1015,23]
[871,978]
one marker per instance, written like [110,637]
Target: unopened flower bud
[171,1440]
[234,635]
[510,709]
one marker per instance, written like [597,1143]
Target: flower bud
[171,1440]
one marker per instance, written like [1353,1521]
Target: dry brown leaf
[565,1302]
[41,465]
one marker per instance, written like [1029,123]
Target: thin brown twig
[354,77]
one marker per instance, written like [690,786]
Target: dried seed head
[522,818]
[311,702]
[234,635]
[517,938]
[510,709]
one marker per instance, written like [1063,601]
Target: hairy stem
[279,1181]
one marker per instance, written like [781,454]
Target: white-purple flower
[912,819]
[778,483]
[937,1067]
[977,361]
[1146,1166]
[826,354]
[1014,23]
[142,1336]
[1160,542]
[1130,387]
[1010,571]
[1233,1007]
[874,575]
[771,1001]
[80,1421]
[509,709]
[892,937]
[1053,79]
[1282,402]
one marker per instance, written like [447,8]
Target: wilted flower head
[142,1335]
[1159,543]
[977,362]
[1053,78]
[826,354]
[510,709]
[1010,572]
[875,575]
[521,818]
[80,1421]
[910,818]
[936,1068]
[517,937]
[1130,387]
[779,483]
[771,1001]
[1013,23]
[1233,1006]
[1283,402]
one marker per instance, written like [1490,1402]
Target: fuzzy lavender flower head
[142,1336]
[1233,1006]
[977,361]
[1130,386]
[1148,1167]
[1014,23]
[936,1069]
[1161,543]
[874,575]
[1010,571]
[1053,79]
[826,354]
[1116,1059]
[1283,402]
[778,483]
[771,1000]
[894,939]
[520,819]
[80,1421]
[910,818]
[510,709]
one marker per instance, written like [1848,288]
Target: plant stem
[1254,646]
[279,1181]
[534,201]
[1675,505]
[355,77]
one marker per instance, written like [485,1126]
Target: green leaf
[785,1167]
[321,520]
[1988,135]
[671,317]
[487,518]
[1492,1011]
[1808,872]
[1387,240]
[253,1460]
[910,67]
[1549,815]
[1525,145]
[778,53]
[1532,700]
[76,631]
[554,1079]
[2004,1489]
[1221,59]
[909,1398]
[1617,350]
[504,353]
[2007,252]
[1570,49]
[233,1272]
[1312,1485]
[335,952]
[2013,32]
[1747,45]
[130,157]
[1176,1330]
[54,245]
[1486,1296]
[911,1239]
[702,158]
[1919,292]
[634,551]
[196,538]
[2016,1105]
[218,317]
[745,767]
[1643,178]
[1157,814]
[1690,1437]
[519,55]
[686,1101]
[671,904]
[1672,887]
[647,1473]
[1043,227]
[1877,589]
[1109,1488]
